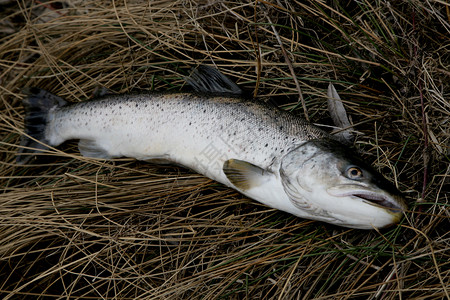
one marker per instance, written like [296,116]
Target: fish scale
[180,128]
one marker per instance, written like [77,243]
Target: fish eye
[354,173]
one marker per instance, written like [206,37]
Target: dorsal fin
[206,79]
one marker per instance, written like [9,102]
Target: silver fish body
[266,153]
[192,130]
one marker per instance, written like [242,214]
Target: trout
[267,154]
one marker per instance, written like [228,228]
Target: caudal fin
[37,105]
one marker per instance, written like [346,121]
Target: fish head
[326,180]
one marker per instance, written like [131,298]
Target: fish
[264,152]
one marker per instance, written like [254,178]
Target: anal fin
[90,148]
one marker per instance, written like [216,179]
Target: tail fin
[37,106]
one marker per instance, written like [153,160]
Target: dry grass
[77,228]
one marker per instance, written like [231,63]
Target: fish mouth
[379,200]
[391,203]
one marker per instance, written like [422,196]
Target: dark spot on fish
[281,127]
[190,123]
[266,145]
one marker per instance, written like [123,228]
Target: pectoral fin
[245,175]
